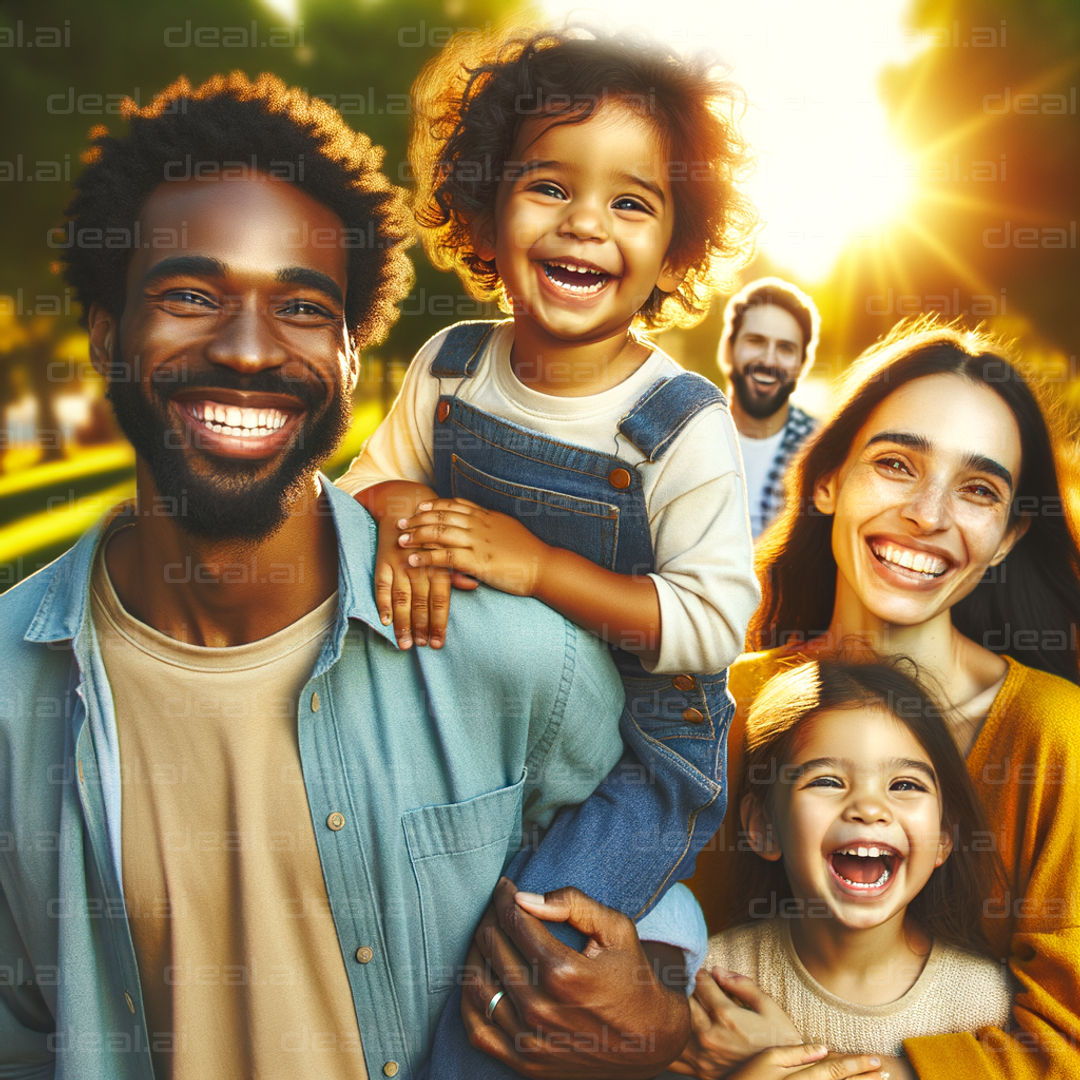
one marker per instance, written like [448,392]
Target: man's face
[766,358]
[231,371]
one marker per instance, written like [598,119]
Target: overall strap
[665,409]
[461,348]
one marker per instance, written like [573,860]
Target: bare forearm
[623,610]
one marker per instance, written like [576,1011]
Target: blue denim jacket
[435,758]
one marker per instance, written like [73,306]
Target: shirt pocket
[457,852]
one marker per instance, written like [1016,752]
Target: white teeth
[863,852]
[874,853]
[917,561]
[232,420]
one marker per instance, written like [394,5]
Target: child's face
[859,782]
[582,224]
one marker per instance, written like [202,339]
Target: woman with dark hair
[926,518]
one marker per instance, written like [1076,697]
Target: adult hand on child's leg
[566,1014]
[733,1019]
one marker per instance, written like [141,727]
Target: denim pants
[642,828]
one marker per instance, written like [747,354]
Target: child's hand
[415,599]
[725,1033]
[806,1063]
[459,535]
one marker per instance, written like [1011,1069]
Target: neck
[221,593]
[577,368]
[872,966]
[751,427]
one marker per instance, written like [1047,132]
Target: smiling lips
[922,563]
[863,869]
[236,430]
[575,277]
[231,420]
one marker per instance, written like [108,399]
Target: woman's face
[921,504]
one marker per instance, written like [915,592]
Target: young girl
[866,866]
[587,183]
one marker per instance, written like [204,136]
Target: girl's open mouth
[917,565]
[576,278]
[864,869]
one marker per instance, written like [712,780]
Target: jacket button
[364,954]
[684,682]
[336,821]
[619,478]
[442,412]
[390,1068]
[693,716]
[315,703]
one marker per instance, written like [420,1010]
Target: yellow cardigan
[1025,765]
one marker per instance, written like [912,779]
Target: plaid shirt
[799,427]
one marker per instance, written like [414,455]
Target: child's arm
[500,551]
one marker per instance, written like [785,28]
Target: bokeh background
[912,156]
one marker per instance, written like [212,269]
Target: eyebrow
[526,167]
[207,267]
[900,764]
[311,279]
[978,462]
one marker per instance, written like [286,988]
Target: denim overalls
[643,828]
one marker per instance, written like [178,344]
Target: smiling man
[768,344]
[241,833]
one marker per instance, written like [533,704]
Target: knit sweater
[956,991]
[1025,765]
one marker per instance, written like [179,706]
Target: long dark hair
[949,907]
[1029,604]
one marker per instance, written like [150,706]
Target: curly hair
[236,123]
[1036,594]
[472,100]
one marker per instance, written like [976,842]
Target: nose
[928,505]
[868,806]
[244,340]
[584,220]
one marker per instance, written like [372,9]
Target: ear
[825,493]
[1014,533]
[670,277]
[483,237]
[944,848]
[102,338]
[758,828]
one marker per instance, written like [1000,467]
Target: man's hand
[460,535]
[601,1013]
[725,1032]
[807,1063]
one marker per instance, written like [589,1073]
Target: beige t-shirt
[956,991]
[242,973]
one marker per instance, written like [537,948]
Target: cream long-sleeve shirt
[694,495]
[956,991]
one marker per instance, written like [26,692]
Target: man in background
[770,336]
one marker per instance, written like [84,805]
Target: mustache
[310,393]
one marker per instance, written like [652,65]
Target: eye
[894,464]
[627,202]
[825,782]
[187,302]
[907,785]
[546,187]
[982,489]
[304,307]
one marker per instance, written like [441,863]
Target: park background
[913,156]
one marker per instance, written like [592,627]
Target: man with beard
[768,344]
[241,833]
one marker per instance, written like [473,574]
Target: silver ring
[493,1003]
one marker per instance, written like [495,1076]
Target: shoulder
[801,421]
[741,948]
[1038,707]
[976,977]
